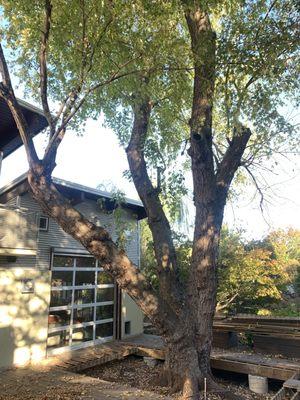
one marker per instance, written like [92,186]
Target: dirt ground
[134,372]
[56,384]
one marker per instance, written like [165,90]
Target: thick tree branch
[7,93]
[159,225]
[231,161]
[43,66]
[203,47]
[224,304]
[203,44]
[99,243]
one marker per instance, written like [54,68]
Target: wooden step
[292,384]
[286,394]
[296,396]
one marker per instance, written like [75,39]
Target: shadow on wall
[23,316]
[7,345]
[18,229]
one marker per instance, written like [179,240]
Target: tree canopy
[143,49]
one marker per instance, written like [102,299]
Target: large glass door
[81,309]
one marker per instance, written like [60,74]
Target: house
[10,139]
[54,296]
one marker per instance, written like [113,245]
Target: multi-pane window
[82,303]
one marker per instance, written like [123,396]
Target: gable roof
[10,139]
[74,191]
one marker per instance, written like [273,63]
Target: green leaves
[123,225]
[115,53]
[258,66]
[256,274]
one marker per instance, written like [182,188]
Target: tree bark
[165,254]
[183,369]
[201,288]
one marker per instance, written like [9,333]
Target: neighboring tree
[211,75]
[285,250]
[251,277]
[183,248]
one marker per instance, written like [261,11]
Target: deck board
[228,360]
[153,346]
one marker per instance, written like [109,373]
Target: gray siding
[13,202]
[56,237]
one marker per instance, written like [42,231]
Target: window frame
[73,306]
[47,223]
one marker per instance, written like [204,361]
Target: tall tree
[209,74]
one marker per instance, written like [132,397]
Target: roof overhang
[74,192]
[10,139]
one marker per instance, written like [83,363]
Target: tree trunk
[187,366]
[182,368]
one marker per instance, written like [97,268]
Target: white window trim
[47,223]
[78,287]
[86,305]
[80,325]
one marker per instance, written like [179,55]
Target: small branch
[218,155]
[83,41]
[250,81]
[86,66]
[261,203]
[264,19]
[69,113]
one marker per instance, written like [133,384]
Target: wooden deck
[78,360]
[227,360]
[152,345]
[272,335]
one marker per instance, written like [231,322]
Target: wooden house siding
[55,237]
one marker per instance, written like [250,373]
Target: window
[43,223]
[127,327]
[82,303]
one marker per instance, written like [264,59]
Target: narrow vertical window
[127,327]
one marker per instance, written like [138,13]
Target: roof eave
[135,205]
